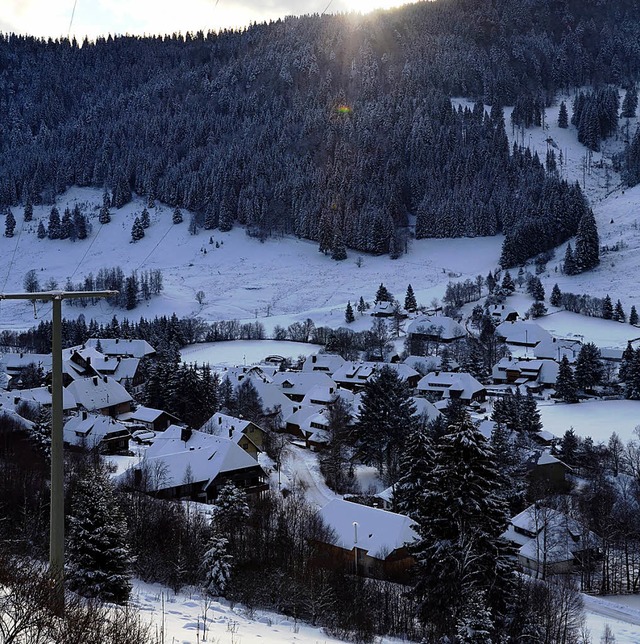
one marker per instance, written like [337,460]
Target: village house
[326,362]
[445,385]
[155,420]
[522,334]
[549,542]
[122,347]
[101,394]
[16,363]
[368,541]
[548,474]
[426,330]
[502,313]
[189,464]
[354,375]
[536,374]
[91,430]
[297,384]
[246,434]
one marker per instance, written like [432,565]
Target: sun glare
[365,6]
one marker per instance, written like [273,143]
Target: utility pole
[56,516]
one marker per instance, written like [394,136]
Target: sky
[53,18]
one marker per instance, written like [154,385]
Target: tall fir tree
[587,251]
[415,466]
[569,265]
[556,296]
[9,224]
[460,555]
[607,308]
[410,303]
[566,388]
[177,217]
[99,559]
[145,219]
[618,312]
[589,369]
[563,116]
[630,103]
[137,231]
[28,211]
[349,317]
[383,294]
[53,231]
[338,249]
[42,232]
[633,316]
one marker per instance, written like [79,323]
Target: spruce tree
[248,402]
[383,295]
[410,303]
[633,316]
[386,419]
[348,314]
[105,216]
[587,251]
[566,388]
[460,555]
[625,363]
[618,313]
[42,232]
[632,382]
[177,216]
[217,566]
[28,211]
[556,296]
[144,218]
[362,306]
[137,231]
[589,369]
[630,103]
[9,224]
[508,285]
[569,266]
[607,308]
[563,116]
[65,224]
[99,558]
[415,467]
[53,232]
[338,249]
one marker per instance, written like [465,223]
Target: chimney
[95,380]
[88,360]
[219,420]
[104,378]
[117,340]
[185,434]
[230,432]
[314,359]
[84,415]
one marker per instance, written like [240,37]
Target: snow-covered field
[236,352]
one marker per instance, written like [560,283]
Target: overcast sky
[96,17]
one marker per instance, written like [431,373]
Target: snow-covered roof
[447,381]
[42,396]
[91,429]
[223,425]
[98,392]
[379,532]
[301,382]
[145,414]
[14,363]
[122,347]
[200,458]
[425,364]
[360,372]
[425,408]
[441,325]
[522,333]
[325,362]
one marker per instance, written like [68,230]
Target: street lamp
[56,515]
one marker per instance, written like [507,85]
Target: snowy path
[305,470]
[607,608]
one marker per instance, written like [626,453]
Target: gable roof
[300,382]
[447,381]
[441,325]
[379,532]
[91,429]
[522,333]
[42,396]
[122,347]
[98,392]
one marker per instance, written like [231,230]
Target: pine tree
[625,363]
[587,251]
[537,310]
[633,316]
[230,513]
[248,402]
[348,314]
[508,285]
[460,555]
[99,559]
[28,211]
[410,303]
[556,296]
[630,103]
[42,233]
[9,224]
[566,388]
[569,266]
[415,466]
[386,419]
[618,313]
[40,431]
[145,219]
[177,216]
[632,382]
[105,216]
[563,116]
[217,566]
[53,232]
[589,369]
[607,308]
[383,295]
[137,231]
[362,306]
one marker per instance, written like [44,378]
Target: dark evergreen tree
[383,295]
[338,249]
[28,211]
[633,316]
[247,401]
[508,285]
[632,380]
[618,313]
[625,363]
[99,559]
[490,281]
[217,566]
[569,266]
[9,224]
[349,317]
[145,219]
[53,232]
[556,296]
[630,103]
[137,231]
[105,216]
[410,303]
[177,217]
[66,224]
[460,555]
[415,467]
[607,308]
[42,233]
[537,309]
[589,369]
[587,251]
[386,419]
[563,116]
[566,388]
[362,306]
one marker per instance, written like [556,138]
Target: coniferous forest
[339,129]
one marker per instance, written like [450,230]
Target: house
[325,362]
[425,364]
[502,313]
[251,437]
[548,474]
[92,430]
[543,373]
[438,329]
[155,420]
[42,396]
[369,541]
[191,464]
[101,394]
[296,384]
[15,363]
[387,310]
[354,375]
[522,334]
[122,347]
[557,348]
[548,541]
[445,385]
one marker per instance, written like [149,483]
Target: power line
[13,256]
[327,7]
[72,14]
